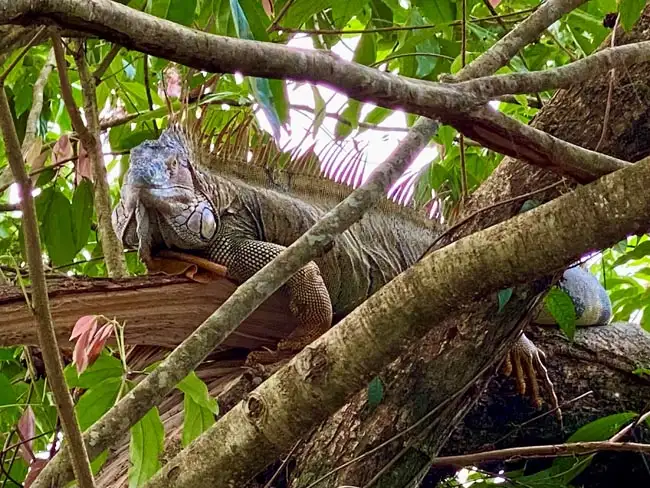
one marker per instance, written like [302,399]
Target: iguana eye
[172,164]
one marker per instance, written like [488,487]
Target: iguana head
[163,204]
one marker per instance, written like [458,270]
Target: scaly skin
[170,200]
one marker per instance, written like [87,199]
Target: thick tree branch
[162,38]
[621,57]
[318,381]
[40,303]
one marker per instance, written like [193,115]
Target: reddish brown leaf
[172,85]
[62,149]
[98,342]
[494,3]
[34,470]
[82,167]
[26,428]
[84,324]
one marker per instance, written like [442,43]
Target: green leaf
[630,11]
[145,448]
[56,225]
[602,428]
[319,109]
[349,115]
[639,252]
[96,401]
[82,213]
[181,11]
[7,393]
[559,304]
[301,10]
[366,51]
[504,297]
[438,12]
[105,367]
[375,392]
[196,420]
[197,390]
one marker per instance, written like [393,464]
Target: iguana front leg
[309,300]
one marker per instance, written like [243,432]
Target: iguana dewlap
[181,193]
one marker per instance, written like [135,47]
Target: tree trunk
[416,384]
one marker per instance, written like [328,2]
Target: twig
[9,207]
[400,27]
[610,91]
[28,46]
[338,117]
[284,463]
[37,101]
[463,62]
[278,17]
[106,63]
[553,450]
[40,302]
[405,55]
[454,227]
[148,91]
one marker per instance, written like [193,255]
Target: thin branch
[37,101]
[280,15]
[610,91]
[553,450]
[40,302]
[338,117]
[28,46]
[408,55]
[105,64]
[395,28]
[9,207]
[89,136]
[147,88]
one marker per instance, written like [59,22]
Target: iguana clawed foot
[293,344]
[527,361]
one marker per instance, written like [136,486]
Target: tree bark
[157,310]
[413,382]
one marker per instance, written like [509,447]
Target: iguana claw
[527,361]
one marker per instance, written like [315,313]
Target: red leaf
[172,84]
[97,343]
[34,470]
[62,150]
[82,168]
[26,430]
[494,3]
[84,324]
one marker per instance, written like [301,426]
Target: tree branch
[488,88]
[439,101]
[89,137]
[40,303]
[555,450]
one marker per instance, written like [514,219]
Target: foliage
[64,187]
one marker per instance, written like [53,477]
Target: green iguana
[203,195]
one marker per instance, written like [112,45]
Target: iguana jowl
[180,194]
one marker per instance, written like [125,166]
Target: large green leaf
[630,11]
[197,390]
[196,420]
[559,304]
[145,448]
[55,212]
[7,393]
[96,401]
[301,10]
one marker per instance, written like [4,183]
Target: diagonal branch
[440,101]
